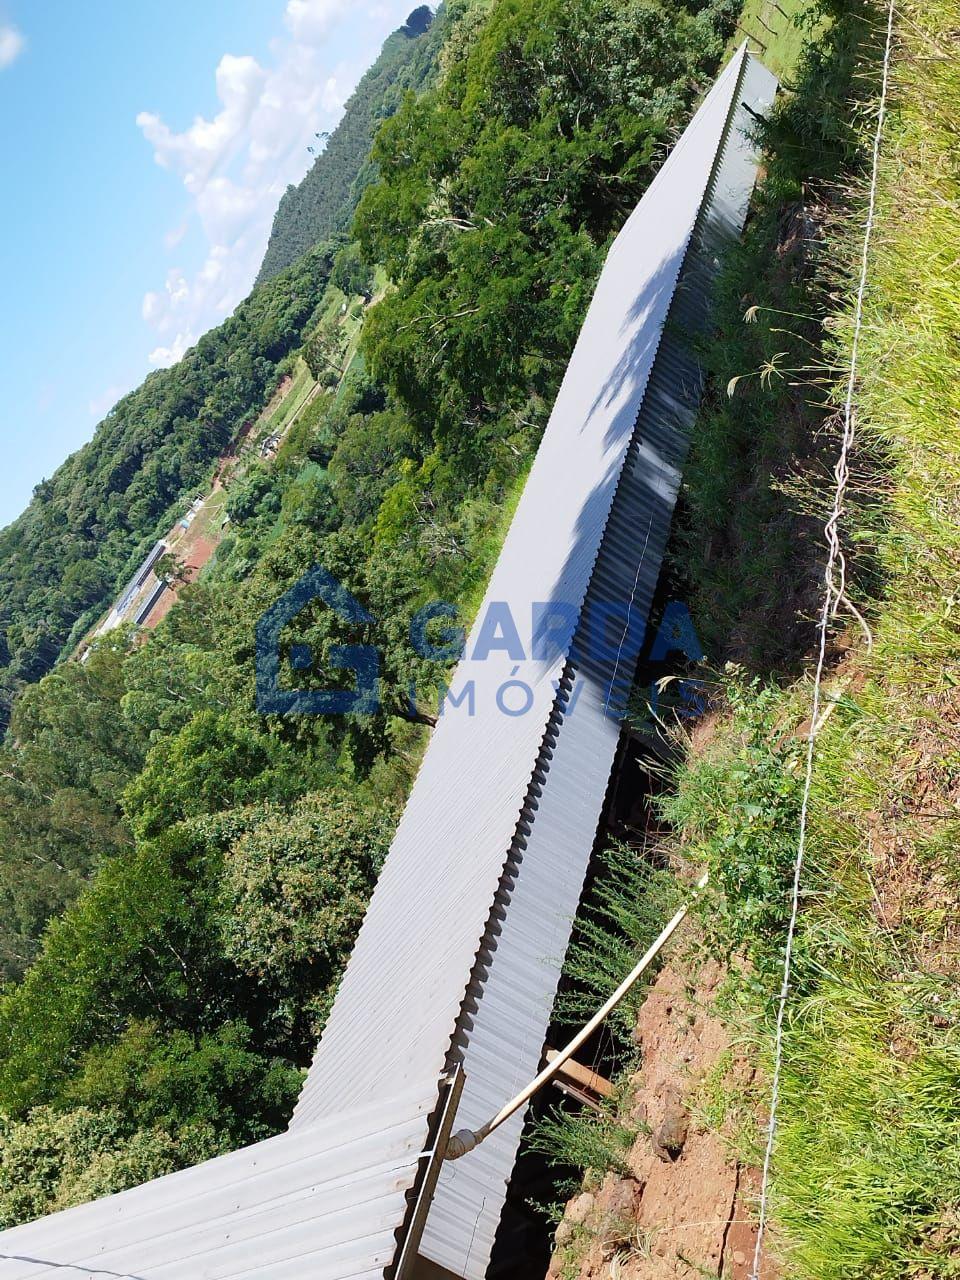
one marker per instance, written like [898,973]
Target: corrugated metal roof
[480,795]
[465,935]
[146,608]
[398,1003]
[511,995]
[322,1203]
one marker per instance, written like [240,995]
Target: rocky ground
[685,1208]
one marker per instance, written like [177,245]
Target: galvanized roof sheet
[708,178]
[479,799]
[400,997]
[323,1203]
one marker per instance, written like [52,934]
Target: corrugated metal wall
[704,189]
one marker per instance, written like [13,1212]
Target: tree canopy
[182,876]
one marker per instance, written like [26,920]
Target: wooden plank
[407,1266]
[582,1077]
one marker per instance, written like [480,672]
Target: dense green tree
[325,353]
[61,776]
[500,187]
[134,946]
[175,1081]
[351,274]
[152,1102]
[54,1159]
[368,457]
[181,672]
[294,890]
[215,762]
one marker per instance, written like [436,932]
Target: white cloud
[11,45]
[235,166]
[332,100]
[197,152]
[101,404]
[175,235]
[161,357]
[310,20]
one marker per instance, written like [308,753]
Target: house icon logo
[362,659]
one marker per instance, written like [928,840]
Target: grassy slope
[867,1164]
[775,37]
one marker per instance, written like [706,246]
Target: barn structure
[445,1005]
[118,613]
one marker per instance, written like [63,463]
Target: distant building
[269,446]
[147,605]
[192,513]
[118,613]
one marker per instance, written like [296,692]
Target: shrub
[738,810]
[295,888]
[52,1160]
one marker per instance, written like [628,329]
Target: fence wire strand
[834,597]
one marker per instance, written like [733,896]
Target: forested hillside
[323,203]
[86,527]
[61,561]
[182,877]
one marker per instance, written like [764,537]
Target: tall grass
[627,905]
[869,1157]
[866,1179]
[867,1162]
[596,1141]
[625,908]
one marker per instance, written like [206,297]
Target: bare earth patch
[686,1209]
[201,551]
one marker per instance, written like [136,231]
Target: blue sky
[143,149]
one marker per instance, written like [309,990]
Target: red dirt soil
[201,551]
[682,1212]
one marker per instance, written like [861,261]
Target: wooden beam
[409,1265]
[580,1095]
[582,1078]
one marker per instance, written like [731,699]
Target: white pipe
[465,1140]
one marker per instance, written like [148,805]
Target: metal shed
[146,606]
[320,1203]
[459,957]
[457,964]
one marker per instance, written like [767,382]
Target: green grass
[599,1142]
[625,909]
[867,1163]
[301,386]
[869,1160]
[866,1177]
[777,38]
